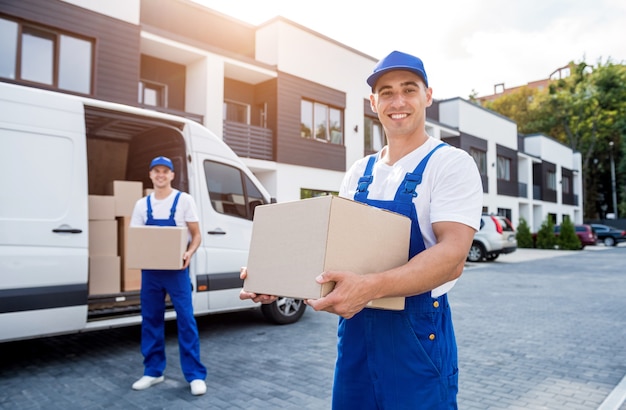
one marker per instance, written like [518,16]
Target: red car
[584,232]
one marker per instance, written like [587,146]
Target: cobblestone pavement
[536,330]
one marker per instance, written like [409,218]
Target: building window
[551,180]
[374,135]
[480,157]
[504,168]
[38,55]
[321,122]
[151,93]
[566,185]
[237,112]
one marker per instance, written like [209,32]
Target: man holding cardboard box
[404,359]
[166,206]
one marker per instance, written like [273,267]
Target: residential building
[291,102]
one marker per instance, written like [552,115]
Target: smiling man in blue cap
[167,206]
[404,359]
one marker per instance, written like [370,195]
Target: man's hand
[349,296]
[243,295]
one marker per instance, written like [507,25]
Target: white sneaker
[147,381]
[198,387]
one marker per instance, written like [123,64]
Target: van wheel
[284,311]
[476,252]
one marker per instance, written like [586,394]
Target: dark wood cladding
[291,148]
[540,173]
[510,187]
[193,21]
[116,52]
[466,142]
[168,73]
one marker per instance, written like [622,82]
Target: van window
[231,191]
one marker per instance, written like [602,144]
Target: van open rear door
[43,214]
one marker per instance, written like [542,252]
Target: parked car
[608,235]
[496,236]
[584,232]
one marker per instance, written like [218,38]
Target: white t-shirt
[186,210]
[451,189]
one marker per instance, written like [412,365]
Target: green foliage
[585,111]
[545,236]
[567,239]
[524,236]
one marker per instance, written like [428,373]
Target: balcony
[249,141]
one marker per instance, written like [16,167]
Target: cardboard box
[101,208]
[156,247]
[126,194]
[103,238]
[130,278]
[293,242]
[104,275]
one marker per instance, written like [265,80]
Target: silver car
[496,236]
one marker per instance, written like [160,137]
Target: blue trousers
[398,359]
[154,285]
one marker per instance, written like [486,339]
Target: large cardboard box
[156,247]
[103,238]
[130,278]
[126,194]
[293,242]
[101,208]
[104,274]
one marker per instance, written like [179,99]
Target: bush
[545,236]
[567,239]
[524,236]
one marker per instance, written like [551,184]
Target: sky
[467,45]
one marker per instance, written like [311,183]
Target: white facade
[284,46]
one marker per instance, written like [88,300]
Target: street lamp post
[613,181]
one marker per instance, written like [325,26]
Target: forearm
[429,269]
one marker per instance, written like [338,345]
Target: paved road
[536,330]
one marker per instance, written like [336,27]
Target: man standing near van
[167,206]
[404,359]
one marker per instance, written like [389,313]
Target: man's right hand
[243,295]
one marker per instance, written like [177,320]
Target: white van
[55,151]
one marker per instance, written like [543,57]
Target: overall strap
[406,191]
[149,207]
[365,180]
[173,210]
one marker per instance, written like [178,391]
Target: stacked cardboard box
[104,262]
[109,217]
[126,195]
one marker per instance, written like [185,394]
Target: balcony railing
[249,141]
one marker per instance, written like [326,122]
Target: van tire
[284,311]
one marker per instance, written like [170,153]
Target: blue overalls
[398,359]
[154,285]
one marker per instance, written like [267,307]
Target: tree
[567,239]
[585,111]
[545,236]
[524,236]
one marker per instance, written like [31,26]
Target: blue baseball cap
[398,61]
[165,161]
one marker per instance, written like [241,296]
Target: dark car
[584,232]
[609,235]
